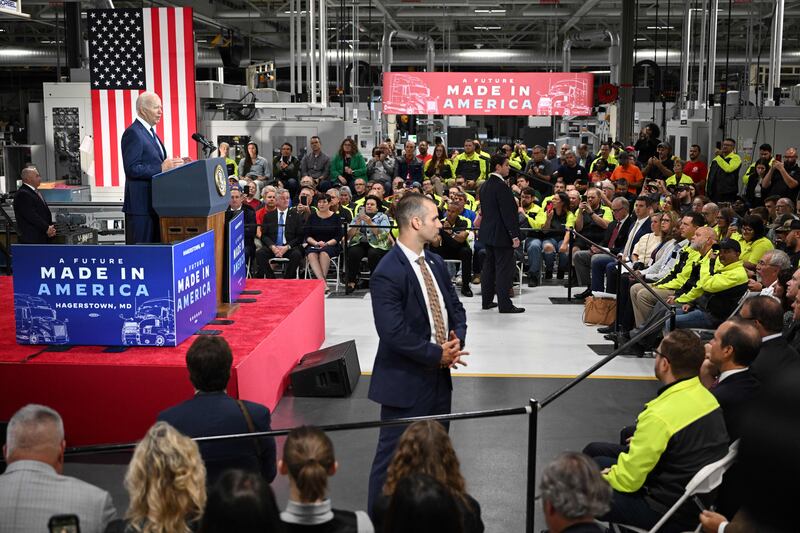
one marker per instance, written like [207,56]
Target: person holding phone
[368,236]
[286,169]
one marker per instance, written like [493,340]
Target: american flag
[132,51]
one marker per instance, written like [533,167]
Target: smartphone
[719,145]
[778,157]
[64,523]
[304,200]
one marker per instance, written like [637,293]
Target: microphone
[205,142]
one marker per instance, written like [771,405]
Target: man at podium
[143,156]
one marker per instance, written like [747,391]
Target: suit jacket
[643,230]
[622,236]
[735,394]
[499,221]
[293,229]
[249,225]
[216,413]
[775,357]
[32,215]
[31,492]
[141,158]
[407,361]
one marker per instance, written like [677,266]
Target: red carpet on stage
[114,397]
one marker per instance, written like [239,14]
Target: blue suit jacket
[407,361]
[141,158]
[216,413]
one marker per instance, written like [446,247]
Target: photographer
[379,168]
[285,170]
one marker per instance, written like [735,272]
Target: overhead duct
[514,58]
[613,50]
[47,57]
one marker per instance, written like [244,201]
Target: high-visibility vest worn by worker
[472,166]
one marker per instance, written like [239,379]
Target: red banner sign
[488,93]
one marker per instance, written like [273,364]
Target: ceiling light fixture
[661,27]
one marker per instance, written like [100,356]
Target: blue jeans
[534,249]
[696,318]
[550,257]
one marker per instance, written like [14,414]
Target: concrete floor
[513,358]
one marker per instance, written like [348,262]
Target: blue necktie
[280,228]
[158,143]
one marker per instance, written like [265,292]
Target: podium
[190,200]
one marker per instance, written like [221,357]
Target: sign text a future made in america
[487,93]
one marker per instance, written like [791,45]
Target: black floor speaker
[331,371]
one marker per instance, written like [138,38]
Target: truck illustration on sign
[152,325]
[37,322]
[411,94]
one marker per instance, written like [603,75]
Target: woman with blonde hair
[425,448]
[308,460]
[166,483]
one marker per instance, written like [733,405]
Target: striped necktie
[433,302]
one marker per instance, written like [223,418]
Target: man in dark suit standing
[235,207]
[143,156]
[282,236]
[34,220]
[776,355]
[415,306]
[499,233]
[212,412]
[729,355]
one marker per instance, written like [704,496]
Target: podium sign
[113,295]
[237,262]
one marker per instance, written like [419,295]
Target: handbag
[599,311]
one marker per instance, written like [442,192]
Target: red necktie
[614,235]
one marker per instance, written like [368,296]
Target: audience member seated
[680,431]
[282,237]
[269,197]
[347,165]
[614,238]
[166,483]
[346,197]
[754,241]
[722,283]
[368,236]
[768,461]
[234,208]
[573,493]
[286,170]
[315,163]
[305,203]
[251,196]
[776,356]
[421,504]
[212,412]
[558,220]
[408,167]
[726,370]
[230,164]
[627,177]
[380,168]
[33,487]
[308,461]
[253,165]
[336,206]
[243,502]
[767,270]
[451,243]
[323,234]
[425,448]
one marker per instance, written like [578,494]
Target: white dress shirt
[150,129]
[626,252]
[729,373]
[412,258]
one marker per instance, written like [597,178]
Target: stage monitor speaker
[331,371]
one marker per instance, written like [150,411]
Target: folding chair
[704,481]
[708,334]
[334,267]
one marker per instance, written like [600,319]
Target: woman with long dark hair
[252,164]
[754,241]
[439,164]
[348,164]
[752,183]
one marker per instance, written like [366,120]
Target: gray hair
[574,487]
[268,188]
[28,173]
[32,427]
[345,189]
[778,258]
[144,99]
[622,202]
[280,190]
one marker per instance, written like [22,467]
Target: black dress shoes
[490,306]
[513,309]
[466,291]
[582,295]
[606,329]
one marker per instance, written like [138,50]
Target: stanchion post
[616,315]
[569,263]
[530,497]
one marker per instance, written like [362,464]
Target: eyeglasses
[658,353]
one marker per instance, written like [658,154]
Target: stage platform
[107,397]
